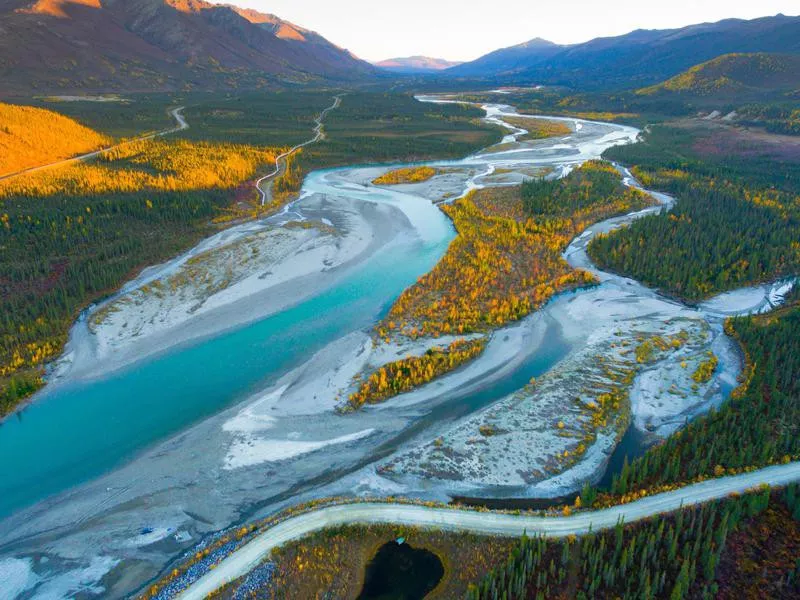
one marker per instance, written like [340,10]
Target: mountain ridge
[50,45]
[639,58]
[507,59]
[416,63]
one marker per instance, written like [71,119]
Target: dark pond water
[401,572]
[632,445]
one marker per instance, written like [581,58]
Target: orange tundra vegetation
[403,375]
[506,260]
[31,137]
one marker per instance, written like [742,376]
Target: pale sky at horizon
[466,29]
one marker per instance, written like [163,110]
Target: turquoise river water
[79,430]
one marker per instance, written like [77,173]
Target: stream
[121,465]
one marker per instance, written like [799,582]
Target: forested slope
[693,553]
[737,220]
[732,77]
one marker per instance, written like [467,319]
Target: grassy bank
[332,563]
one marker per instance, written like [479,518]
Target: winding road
[266,194]
[175,113]
[251,554]
[280,160]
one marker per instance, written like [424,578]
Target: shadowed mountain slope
[51,45]
[637,59]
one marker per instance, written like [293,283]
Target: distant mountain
[742,75]
[508,60]
[49,45]
[637,59]
[416,64]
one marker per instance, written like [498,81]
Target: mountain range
[637,59]
[158,44]
[416,64]
[67,46]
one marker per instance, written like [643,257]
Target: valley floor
[329,262]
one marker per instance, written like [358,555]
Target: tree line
[736,222]
[673,557]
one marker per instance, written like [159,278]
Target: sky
[466,29]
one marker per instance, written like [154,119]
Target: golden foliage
[539,128]
[143,165]
[504,263]
[604,116]
[706,369]
[151,164]
[497,270]
[31,137]
[405,175]
[403,375]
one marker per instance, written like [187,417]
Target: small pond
[401,572]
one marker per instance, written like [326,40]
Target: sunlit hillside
[147,165]
[735,74]
[30,137]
